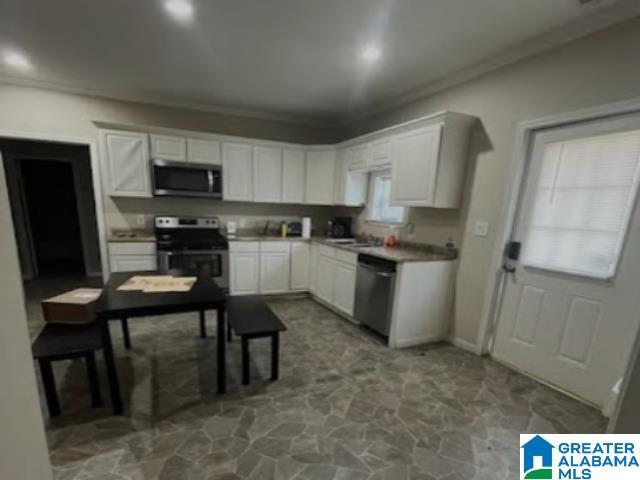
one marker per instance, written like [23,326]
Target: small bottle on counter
[283,229]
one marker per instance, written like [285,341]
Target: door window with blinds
[582,205]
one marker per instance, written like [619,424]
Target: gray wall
[597,69]
[23,448]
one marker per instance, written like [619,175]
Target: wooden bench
[64,342]
[250,317]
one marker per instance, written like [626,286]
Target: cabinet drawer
[132,248]
[326,251]
[251,247]
[274,247]
[346,257]
[132,263]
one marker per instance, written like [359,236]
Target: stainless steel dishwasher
[375,284]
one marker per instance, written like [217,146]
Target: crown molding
[324,121]
[553,38]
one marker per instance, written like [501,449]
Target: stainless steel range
[193,243]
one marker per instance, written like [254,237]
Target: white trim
[96,175]
[310,120]
[515,177]
[413,342]
[465,345]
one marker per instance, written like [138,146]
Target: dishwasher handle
[375,271]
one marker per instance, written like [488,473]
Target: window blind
[582,204]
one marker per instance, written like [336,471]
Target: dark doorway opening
[52,209]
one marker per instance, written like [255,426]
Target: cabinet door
[237,172]
[274,272]
[132,263]
[320,177]
[293,176]
[126,155]
[300,265]
[267,174]
[324,286]
[380,152]
[165,147]
[343,159]
[203,151]
[359,157]
[313,269]
[344,287]
[243,273]
[415,166]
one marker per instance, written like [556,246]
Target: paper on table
[138,282]
[158,283]
[175,284]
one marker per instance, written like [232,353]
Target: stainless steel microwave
[184,179]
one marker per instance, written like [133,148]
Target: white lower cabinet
[274,272]
[324,285]
[132,256]
[344,287]
[300,266]
[313,268]
[243,273]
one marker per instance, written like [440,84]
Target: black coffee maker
[340,227]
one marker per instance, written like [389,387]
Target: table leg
[203,325]
[125,334]
[229,333]
[275,352]
[110,364]
[222,346]
[49,385]
[246,362]
[94,381]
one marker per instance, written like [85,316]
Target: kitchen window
[380,209]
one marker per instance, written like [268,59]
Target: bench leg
[94,381]
[275,353]
[125,333]
[49,385]
[203,325]
[245,361]
[229,333]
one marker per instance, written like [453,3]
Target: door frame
[96,178]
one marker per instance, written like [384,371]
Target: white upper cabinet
[359,157]
[380,152]
[237,172]
[293,181]
[428,167]
[414,168]
[203,151]
[267,174]
[126,158]
[167,147]
[320,176]
[350,187]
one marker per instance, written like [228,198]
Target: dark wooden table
[114,304]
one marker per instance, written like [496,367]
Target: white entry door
[571,306]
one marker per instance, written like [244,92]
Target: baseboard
[414,342]
[465,345]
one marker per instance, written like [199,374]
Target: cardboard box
[75,306]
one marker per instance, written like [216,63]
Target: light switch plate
[481,229]
[141,220]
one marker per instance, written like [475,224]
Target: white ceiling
[282,57]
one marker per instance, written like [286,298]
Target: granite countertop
[405,252]
[131,235]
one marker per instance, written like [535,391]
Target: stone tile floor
[345,407]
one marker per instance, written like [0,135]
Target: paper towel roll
[306,227]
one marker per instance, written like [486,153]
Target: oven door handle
[210,179]
[193,252]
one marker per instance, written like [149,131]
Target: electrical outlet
[141,221]
[481,229]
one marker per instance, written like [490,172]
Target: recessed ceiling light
[16,60]
[179,9]
[371,54]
